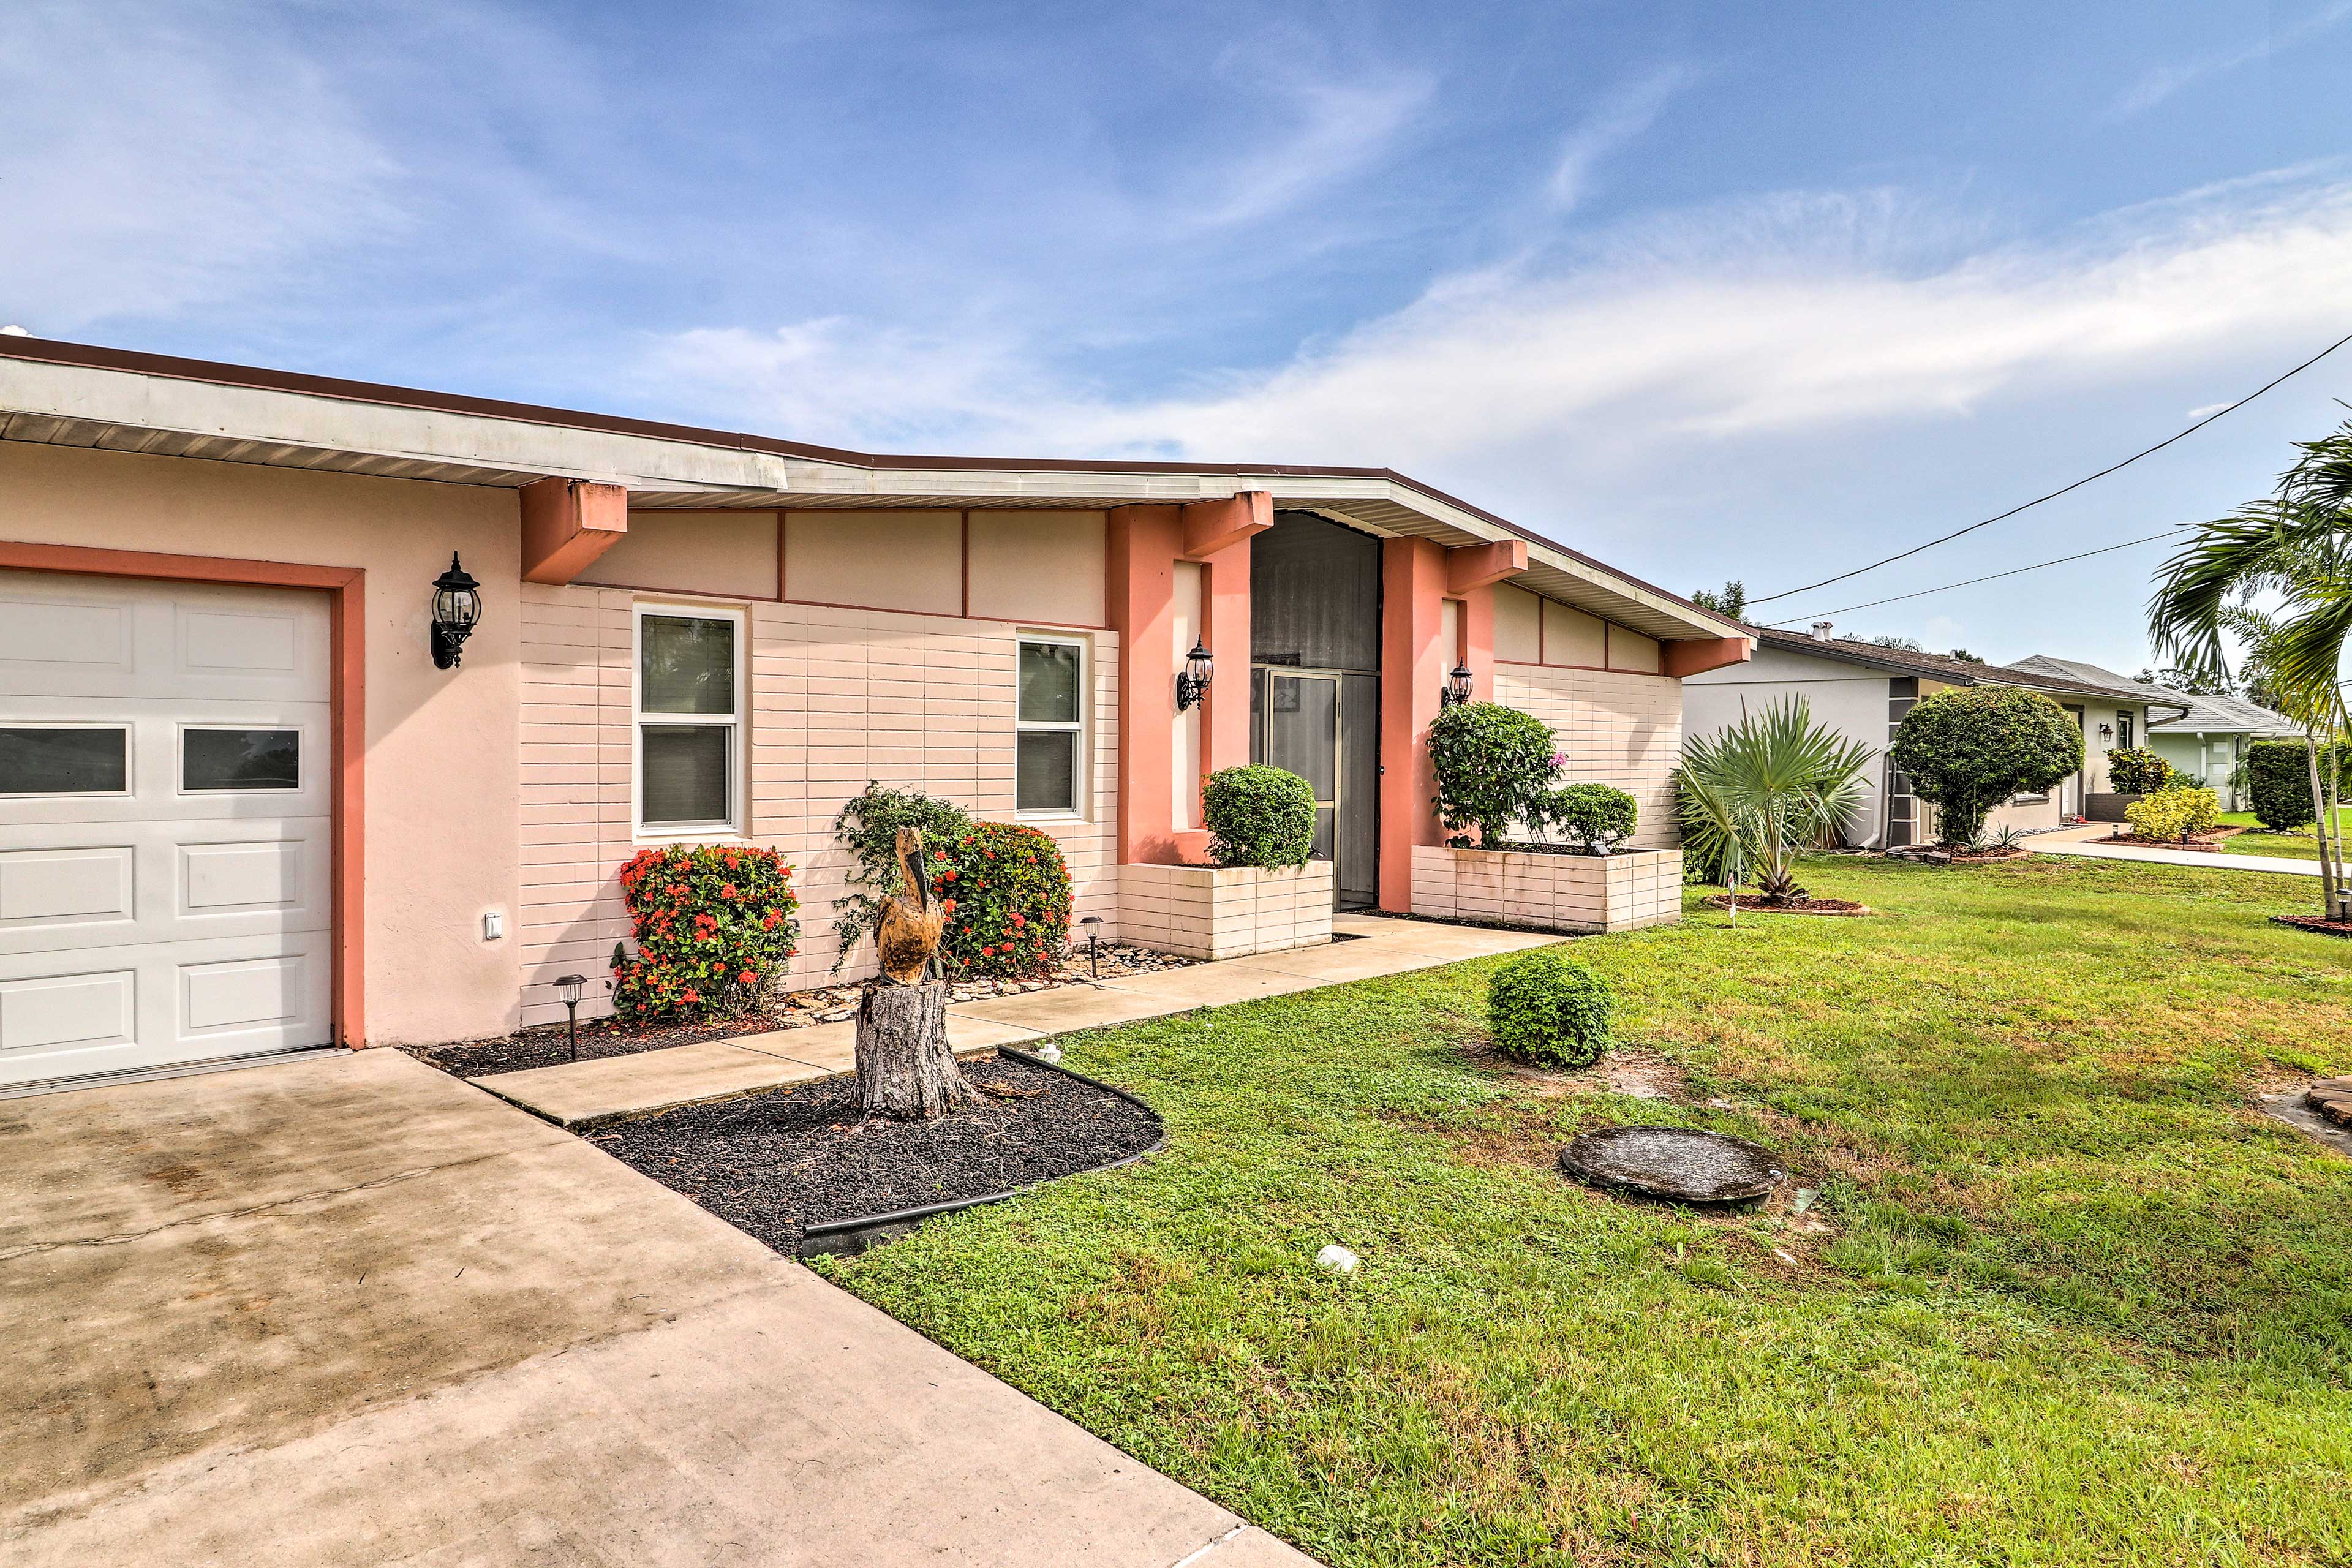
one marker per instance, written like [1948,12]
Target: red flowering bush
[714,925]
[1006,893]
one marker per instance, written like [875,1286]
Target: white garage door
[164,824]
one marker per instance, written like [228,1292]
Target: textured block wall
[837,697]
[1206,911]
[1556,892]
[1618,729]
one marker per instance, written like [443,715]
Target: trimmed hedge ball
[1258,815]
[1546,1009]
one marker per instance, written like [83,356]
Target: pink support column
[1413,662]
[1217,534]
[1471,572]
[1146,542]
[1479,641]
[1141,597]
[1225,710]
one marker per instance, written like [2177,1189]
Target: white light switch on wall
[494,926]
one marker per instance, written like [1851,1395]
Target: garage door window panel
[59,759]
[689,721]
[239,760]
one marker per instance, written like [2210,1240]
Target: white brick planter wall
[1212,911]
[1554,892]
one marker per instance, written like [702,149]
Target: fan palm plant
[2295,544]
[1757,794]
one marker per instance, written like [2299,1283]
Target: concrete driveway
[349,1311]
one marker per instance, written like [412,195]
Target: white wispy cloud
[2165,80]
[167,160]
[1616,121]
[1339,127]
[1806,315]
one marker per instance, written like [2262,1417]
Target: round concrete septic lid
[1683,1164]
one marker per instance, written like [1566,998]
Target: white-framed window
[2123,730]
[689,721]
[1049,724]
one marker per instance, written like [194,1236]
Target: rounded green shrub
[1005,889]
[1596,817]
[714,925]
[2176,812]
[2136,770]
[1970,748]
[1258,815]
[1494,765]
[1546,1009]
[2278,778]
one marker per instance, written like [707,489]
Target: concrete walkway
[580,1095]
[349,1311]
[2209,860]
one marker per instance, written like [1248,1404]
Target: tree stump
[904,1066]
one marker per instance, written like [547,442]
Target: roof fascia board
[492,440]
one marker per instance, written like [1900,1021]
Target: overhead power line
[2077,485]
[2013,572]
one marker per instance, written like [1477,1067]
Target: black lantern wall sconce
[457,608]
[1456,689]
[1192,680]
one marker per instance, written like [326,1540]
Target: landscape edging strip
[932,1211]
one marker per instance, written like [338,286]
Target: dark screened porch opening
[1314,684]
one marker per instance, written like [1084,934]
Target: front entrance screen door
[1302,736]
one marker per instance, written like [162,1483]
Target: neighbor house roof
[1943,667]
[2204,715]
[79,395]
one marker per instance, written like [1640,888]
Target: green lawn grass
[2074,1300]
[2303,845]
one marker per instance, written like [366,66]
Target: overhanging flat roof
[78,395]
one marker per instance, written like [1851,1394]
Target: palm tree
[1760,791]
[2296,543]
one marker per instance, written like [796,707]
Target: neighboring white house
[2206,743]
[1864,690]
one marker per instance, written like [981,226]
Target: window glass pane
[685,768]
[1046,771]
[64,762]
[240,759]
[1049,683]
[1302,731]
[686,664]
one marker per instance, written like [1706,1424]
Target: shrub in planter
[1970,748]
[1006,892]
[1546,1009]
[1594,817]
[1258,816]
[1494,764]
[2136,770]
[2175,813]
[714,926]
[868,827]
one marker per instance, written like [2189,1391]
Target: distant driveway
[349,1311]
[2286,866]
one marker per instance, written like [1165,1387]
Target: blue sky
[1706,290]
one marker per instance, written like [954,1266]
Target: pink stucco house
[244,810]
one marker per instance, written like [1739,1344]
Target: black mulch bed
[798,1156]
[545,1047]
